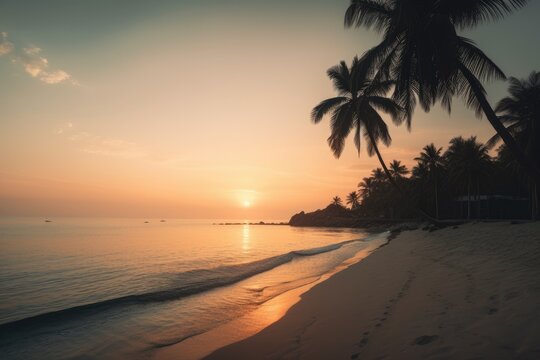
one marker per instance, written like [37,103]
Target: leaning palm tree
[336,200]
[468,161]
[431,162]
[355,109]
[520,112]
[353,200]
[429,61]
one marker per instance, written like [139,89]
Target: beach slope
[464,292]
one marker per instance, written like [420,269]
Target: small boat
[47,220]
[161,220]
[146,222]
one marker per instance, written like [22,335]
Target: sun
[246,203]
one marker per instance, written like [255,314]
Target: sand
[471,292]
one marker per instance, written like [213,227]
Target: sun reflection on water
[246,245]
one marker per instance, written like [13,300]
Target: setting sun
[246,203]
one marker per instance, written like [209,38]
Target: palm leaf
[324,107]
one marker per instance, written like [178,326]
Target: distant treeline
[463,181]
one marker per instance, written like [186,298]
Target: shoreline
[201,345]
[462,291]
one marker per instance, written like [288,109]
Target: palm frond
[379,88]
[374,58]
[374,125]
[368,13]
[341,125]
[340,76]
[388,106]
[470,13]
[469,86]
[324,107]
[478,62]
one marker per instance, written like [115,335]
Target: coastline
[203,344]
[458,292]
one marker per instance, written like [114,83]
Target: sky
[195,109]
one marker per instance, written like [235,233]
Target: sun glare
[246,203]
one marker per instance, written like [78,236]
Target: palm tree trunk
[528,165]
[533,190]
[478,198]
[436,200]
[535,200]
[469,196]
[393,182]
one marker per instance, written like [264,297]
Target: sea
[96,288]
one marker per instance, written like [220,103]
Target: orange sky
[190,113]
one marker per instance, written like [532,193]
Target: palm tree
[426,57]
[353,200]
[520,112]
[378,175]
[419,181]
[397,170]
[467,161]
[355,109]
[431,162]
[367,185]
[336,200]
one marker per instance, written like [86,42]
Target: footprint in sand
[425,339]
[511,295]
[493,304]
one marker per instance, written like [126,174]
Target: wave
[193,282]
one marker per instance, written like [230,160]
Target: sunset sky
[195,109]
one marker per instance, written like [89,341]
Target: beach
[462,292]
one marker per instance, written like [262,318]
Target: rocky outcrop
[338,216]
[331,216]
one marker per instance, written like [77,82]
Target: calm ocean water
[122,288]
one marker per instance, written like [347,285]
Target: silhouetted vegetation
[355,110]
[337,201]
[520,112]
[422,52]
[463,182]
[353,200]
[422,59]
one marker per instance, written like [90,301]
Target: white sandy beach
[471,292]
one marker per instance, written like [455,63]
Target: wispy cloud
[33,63]
[6,46]
[99,145]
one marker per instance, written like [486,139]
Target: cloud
[6,46]
[111,147]
[33,63]
[66,127]
[99,145]
[56,77]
